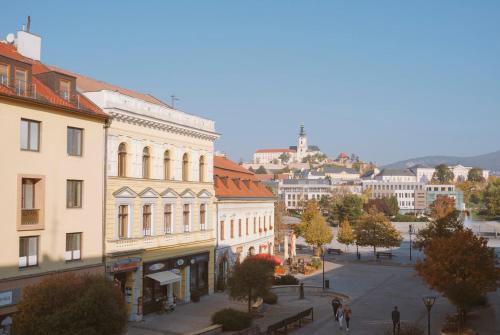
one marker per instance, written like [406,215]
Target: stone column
[187,284]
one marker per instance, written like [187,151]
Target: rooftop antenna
[173,98]
[29,23]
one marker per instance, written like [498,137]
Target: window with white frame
[168,218]
[146,220]
[73,247]
[186,217]
[203,216]
[28,251]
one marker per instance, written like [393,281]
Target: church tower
[302,144]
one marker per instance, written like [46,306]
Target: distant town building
[460,173]
[338,173]
[404,191]
[396,175]
[434,191]
[294,153]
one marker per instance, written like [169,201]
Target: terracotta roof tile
[232,180]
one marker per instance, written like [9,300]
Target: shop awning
[165,277]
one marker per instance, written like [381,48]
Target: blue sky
[387,80]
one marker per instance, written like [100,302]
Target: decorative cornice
[163,126]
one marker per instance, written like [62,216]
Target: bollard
[327,283]
[301,294]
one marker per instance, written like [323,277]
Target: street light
[323,254]
[429,302]
[410,231]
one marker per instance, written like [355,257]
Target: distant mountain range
[490,161]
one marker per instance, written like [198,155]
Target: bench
[334,251]
[384,254]
[291,321]
[256,306]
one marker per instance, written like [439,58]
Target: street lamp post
[410,231]
[429,302]
[323,254]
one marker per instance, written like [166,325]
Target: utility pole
[173,98]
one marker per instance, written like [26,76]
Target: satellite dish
[10,38]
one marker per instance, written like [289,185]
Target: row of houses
[102,179]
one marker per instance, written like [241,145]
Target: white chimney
[29,45]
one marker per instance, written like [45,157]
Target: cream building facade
[159,225]
[51,176]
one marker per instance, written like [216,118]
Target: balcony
[30,217]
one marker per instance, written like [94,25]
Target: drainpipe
[216,242]
[105,175]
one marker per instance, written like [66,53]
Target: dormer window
[4,74]
[64,89]
[21,81]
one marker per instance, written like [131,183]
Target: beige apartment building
[160,215]
[51,173]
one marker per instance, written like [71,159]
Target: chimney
[28,44]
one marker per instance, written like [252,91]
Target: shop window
[73,246]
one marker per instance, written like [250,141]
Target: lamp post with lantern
[429,302]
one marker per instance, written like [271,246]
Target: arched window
[146,159]
[185,167]
[166,165]
[122,160]
[201,168]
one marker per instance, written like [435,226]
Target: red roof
[274,150]
[343,155]
[44,94]
[234,181]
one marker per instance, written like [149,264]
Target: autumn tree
[444,222]
[461,267]
[70,304]
[442,175]
[349,208]
[392,203]
[475,175]
[376,230]
[261,170]
[379,204]
[345,234]
[313,227]
[284,157]
[491,197]
[250,279]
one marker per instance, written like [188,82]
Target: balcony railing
[29,216]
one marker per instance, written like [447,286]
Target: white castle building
[295,153]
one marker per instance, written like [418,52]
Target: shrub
[71,304]
[316,263]
[286,280]
[231,319]
[270,298]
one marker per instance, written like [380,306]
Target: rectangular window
[4,74]
[186,217]
[28,251]
[74,141]
[21,81]
[123,221]
[239,227]
[64,89]
[232,229]
[74,193]
[146,220]
[222,230]
[28,193]
[246,222]
[203,216]
[270,223]
[73,246]
[30,135]
[168,218]
[255,225]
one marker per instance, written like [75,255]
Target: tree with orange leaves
[461,267]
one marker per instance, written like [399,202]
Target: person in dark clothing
[396,318]
[335,305]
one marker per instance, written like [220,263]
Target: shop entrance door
[199,277]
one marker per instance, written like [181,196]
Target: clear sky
[387,80]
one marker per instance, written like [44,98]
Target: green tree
[444,222]
[461,267]
[374,229]
[261,170]
[313,227]
[346,234]
[442,175]
[70,304]
[250,279]
[475,175]
[491,197]
[284,157]
[392,203]
[350,208]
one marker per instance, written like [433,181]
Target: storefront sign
[5,298]
[180,262]
[125,267]
[156,267]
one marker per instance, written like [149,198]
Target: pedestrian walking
[340,316]
[335,306]
[347,316]
[396,320]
